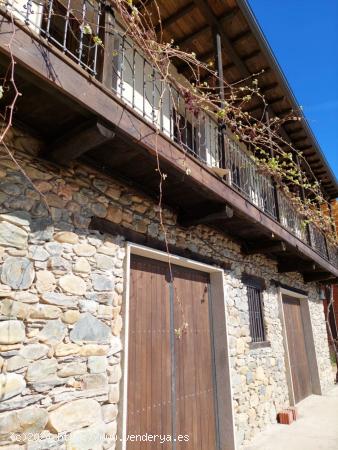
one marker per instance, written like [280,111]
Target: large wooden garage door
[170,374]
[299,362]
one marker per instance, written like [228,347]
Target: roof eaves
[257,31]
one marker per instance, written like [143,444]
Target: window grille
[256,318]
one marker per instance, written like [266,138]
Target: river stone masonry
[61,293]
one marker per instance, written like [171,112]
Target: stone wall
[61,297]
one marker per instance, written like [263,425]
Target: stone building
[104,339]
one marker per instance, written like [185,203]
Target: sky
[303,35]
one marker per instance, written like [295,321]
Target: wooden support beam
[108,49]
[188,41]
[209,76]
[285,112]
[214,22]
[295,131]
[304,147]
[268,87]
[299,139]
[265,247]
[318,276]
[242,35]
[261,106]
[224,213]
[296,266]
[80,140]
[252,54]
[179,14]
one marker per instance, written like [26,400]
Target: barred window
[256,319]
[256,312]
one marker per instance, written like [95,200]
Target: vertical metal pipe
[122,66]
[29,11]
[84,10]
[133,76]
[97,32]
[153,75]
[219,65]
[65,33]
[144,87]
[273,182]
[49,16]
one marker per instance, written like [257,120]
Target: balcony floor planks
[49,66]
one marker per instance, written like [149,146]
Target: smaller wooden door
[299,359]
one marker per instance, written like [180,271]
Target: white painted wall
[19,10]
[142,88]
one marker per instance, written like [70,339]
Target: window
[255,287]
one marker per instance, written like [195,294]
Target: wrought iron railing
[139,84]
[290,218]
[77,28]
[245,177]
[332,253]
[318,241]
[73,26]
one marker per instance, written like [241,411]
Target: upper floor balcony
[134,116]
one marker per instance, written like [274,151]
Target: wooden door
[170,363]
[195,410]
[299,362]
[149,361]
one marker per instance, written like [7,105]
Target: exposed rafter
[296,266]
[318,276]
[224,213]
[215,23]
[265,247]
[261,106]
[179,14]
[81,140]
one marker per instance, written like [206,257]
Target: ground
[316,428]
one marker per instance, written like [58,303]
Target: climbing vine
[274,155]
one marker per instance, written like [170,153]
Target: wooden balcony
[102,106]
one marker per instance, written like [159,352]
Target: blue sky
[303,35]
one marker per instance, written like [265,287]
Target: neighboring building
[94,335]
[331,299]
[331,316]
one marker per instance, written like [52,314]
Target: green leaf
[86,29]
[97,40]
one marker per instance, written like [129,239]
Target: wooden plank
[187,41]
[81,140]
[107,66]
[299,362]
[45,62]
[296,266]
[173,18]
[149,400]
[265,247]
[224,213]
[214,23]
[194,361]
[317,276]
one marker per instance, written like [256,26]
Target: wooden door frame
[223,388]
[309,342]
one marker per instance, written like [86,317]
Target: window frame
[257,325]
